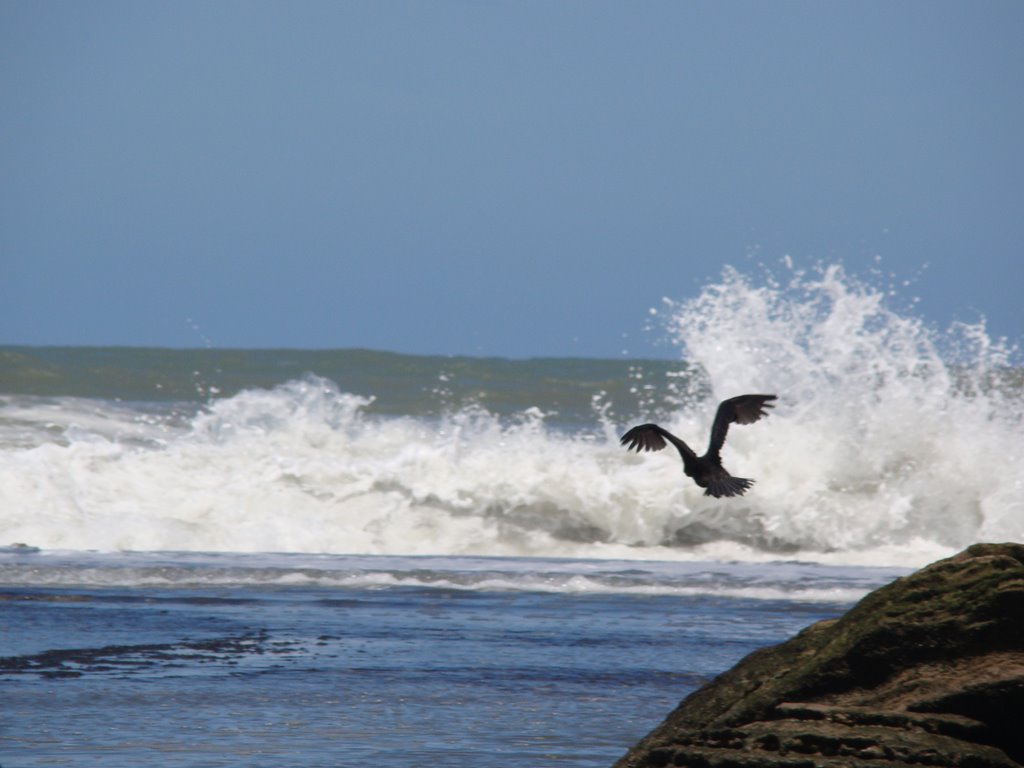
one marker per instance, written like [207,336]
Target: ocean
[358,558]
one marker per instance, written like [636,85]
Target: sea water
[187,659]
[356,558]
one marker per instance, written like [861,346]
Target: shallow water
[226,663]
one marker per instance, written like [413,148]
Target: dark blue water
[312,675]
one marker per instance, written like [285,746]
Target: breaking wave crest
[890,434]
[891,443]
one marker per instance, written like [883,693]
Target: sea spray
[891,443]
[889,433]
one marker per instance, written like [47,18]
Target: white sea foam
[877,453]
[879,443]
[801,582]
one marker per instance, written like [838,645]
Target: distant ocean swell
[891,443]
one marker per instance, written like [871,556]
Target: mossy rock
[928,670]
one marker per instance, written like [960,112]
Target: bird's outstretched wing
[651,437]
[745,409]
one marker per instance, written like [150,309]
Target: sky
[493,178]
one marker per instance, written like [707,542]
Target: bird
[707,470]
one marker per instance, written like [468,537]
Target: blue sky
[492,178]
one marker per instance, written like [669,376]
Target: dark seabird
[707,470]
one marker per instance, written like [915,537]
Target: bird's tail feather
[728,486]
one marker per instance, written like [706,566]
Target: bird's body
[707,470]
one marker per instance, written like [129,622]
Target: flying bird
[707,470]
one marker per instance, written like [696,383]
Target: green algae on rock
[928,670]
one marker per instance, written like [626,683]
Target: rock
[928,670]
